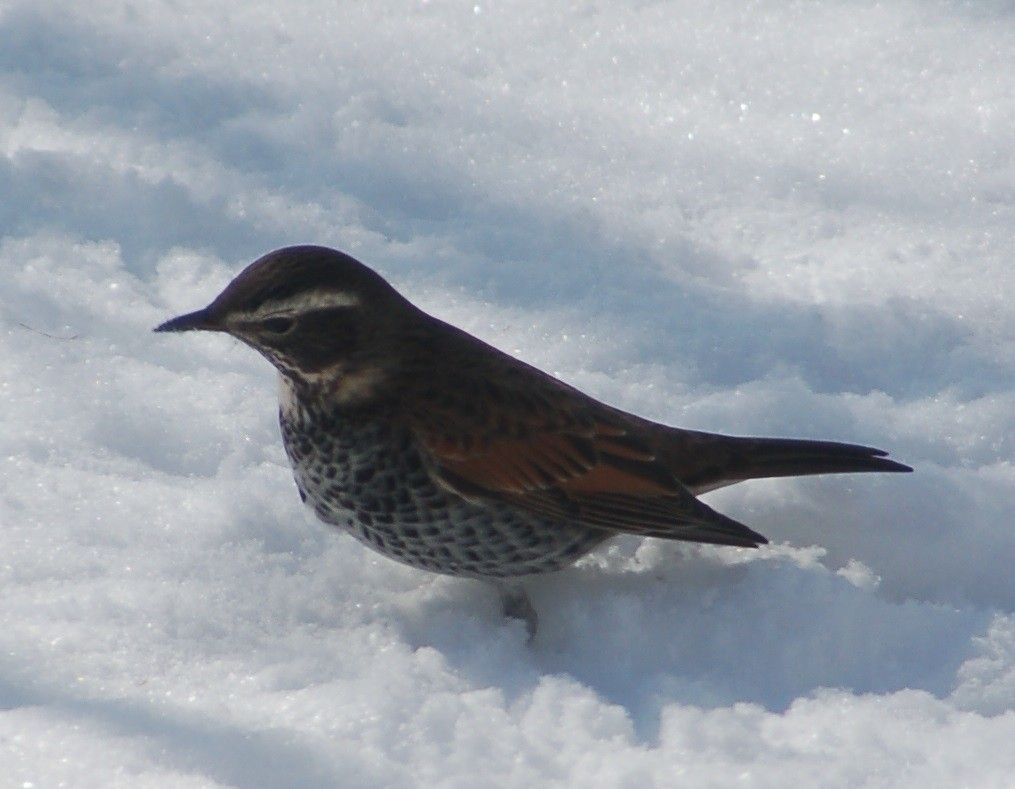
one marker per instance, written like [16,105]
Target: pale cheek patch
[357,386]
[343,388]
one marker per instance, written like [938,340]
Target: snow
[766,218]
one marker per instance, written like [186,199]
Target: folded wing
[575,465]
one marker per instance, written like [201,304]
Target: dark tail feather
[737,459]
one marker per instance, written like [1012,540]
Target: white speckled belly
[367,477]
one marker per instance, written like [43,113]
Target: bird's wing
[551,451]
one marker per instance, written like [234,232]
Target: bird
[440,451]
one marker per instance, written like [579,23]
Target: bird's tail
[727,459]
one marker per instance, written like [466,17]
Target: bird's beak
[202,320]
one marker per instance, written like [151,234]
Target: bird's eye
[277,325]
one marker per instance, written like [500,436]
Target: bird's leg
[515,604]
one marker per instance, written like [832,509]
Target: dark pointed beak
[202,320]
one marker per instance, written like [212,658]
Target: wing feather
[563,463]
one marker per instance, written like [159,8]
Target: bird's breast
[368,477]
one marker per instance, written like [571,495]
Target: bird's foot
[515,604]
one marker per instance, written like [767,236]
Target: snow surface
[762,218]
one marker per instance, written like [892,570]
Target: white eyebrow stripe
[305,302]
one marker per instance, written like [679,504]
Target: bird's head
[317,314]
